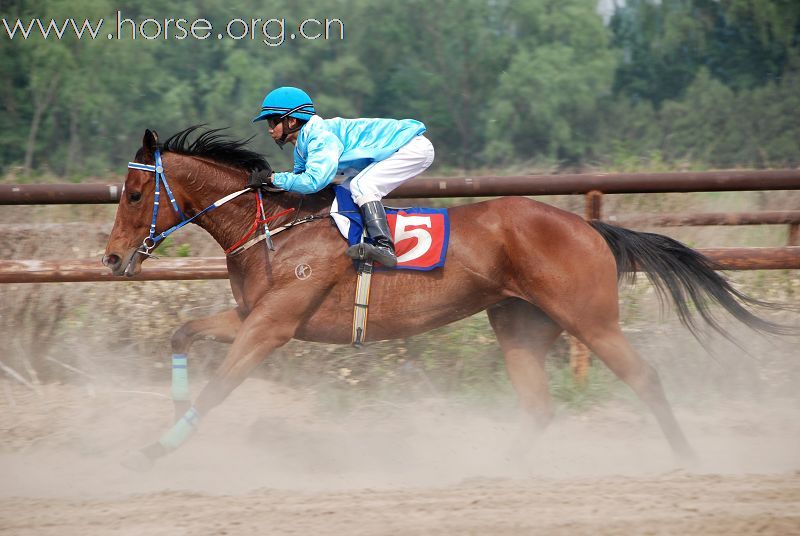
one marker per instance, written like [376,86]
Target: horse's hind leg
[525,334]
[611,346]
[578,289]
[221,327]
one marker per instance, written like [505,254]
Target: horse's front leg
[221,327]
[260,334]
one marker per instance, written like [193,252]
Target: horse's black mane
[212,145]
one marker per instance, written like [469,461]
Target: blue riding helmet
[286,102]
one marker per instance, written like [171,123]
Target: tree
[547,98]
[742,43]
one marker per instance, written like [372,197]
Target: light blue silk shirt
[327,146]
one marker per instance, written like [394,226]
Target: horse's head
[131,238]
[203,175]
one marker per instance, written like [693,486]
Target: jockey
[377,156]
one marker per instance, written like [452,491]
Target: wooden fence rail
[193,268]
[477,186]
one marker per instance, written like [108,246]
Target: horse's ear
[150,141]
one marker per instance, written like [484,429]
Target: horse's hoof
[138,461]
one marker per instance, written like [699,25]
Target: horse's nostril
[112,261]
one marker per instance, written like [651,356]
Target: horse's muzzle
[120,265]
[112,261]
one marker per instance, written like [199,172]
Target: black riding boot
[378,230]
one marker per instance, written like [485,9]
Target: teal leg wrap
[181,430]
[180,377]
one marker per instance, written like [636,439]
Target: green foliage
[183,250]
[168,248]
[743,44]
[689,137]
[547,98]
[701,128]
[663,82]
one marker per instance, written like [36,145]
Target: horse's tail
[687,276]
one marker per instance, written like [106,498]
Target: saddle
[420,236]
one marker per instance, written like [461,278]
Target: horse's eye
[133,197]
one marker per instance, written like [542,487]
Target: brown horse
[536,269]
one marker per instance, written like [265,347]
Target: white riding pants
[376,180]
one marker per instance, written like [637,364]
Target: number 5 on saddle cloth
[420,238]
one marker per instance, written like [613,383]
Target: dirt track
[670,504]
[264,463]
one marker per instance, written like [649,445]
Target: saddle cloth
[420,234]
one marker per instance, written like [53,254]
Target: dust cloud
[67,441]
[275,456]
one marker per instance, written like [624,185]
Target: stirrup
[357,252]
[368,252]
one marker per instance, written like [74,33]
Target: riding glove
[262,179]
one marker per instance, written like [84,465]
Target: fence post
[594,205]
[579,359]
[794,235]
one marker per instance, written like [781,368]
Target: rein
[270,233]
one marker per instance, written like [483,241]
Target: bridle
[153,239]
[261,219]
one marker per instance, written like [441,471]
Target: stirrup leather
[361,305]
